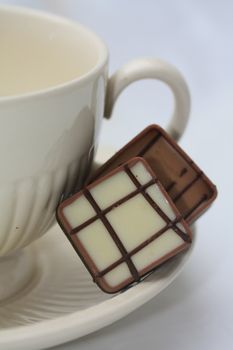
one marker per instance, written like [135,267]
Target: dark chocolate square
[189,188]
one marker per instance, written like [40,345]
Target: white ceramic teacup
[54,92]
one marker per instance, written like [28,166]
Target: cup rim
[55,89]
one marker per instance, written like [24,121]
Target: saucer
[62,303]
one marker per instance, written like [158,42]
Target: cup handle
[149,68]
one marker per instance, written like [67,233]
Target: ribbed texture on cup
[27,208]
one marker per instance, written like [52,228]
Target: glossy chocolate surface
[123,225]
[189,188]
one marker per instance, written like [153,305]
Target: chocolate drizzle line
[170,186]
[156,207]
[191,210]
[149,144]
[113,234]
[183,172]
[142,245]
[114,205]
[173,183]
[187,187]
[100,214]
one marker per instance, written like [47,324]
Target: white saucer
[62,303]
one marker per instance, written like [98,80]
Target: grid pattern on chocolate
[169,187]
[113,234]
[149,144]
[188,212]
[170,224]
[110,207]
[188,186]
[101,214]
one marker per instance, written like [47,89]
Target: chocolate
[123,225]
[189,188]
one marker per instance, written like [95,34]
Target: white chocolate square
[79,211]
[158,197]
[117,275]
[99,244]
[157,249]
[135,221]
[141,173]
[112,189]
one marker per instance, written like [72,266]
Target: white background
[196,311]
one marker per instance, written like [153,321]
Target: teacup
[54,92]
